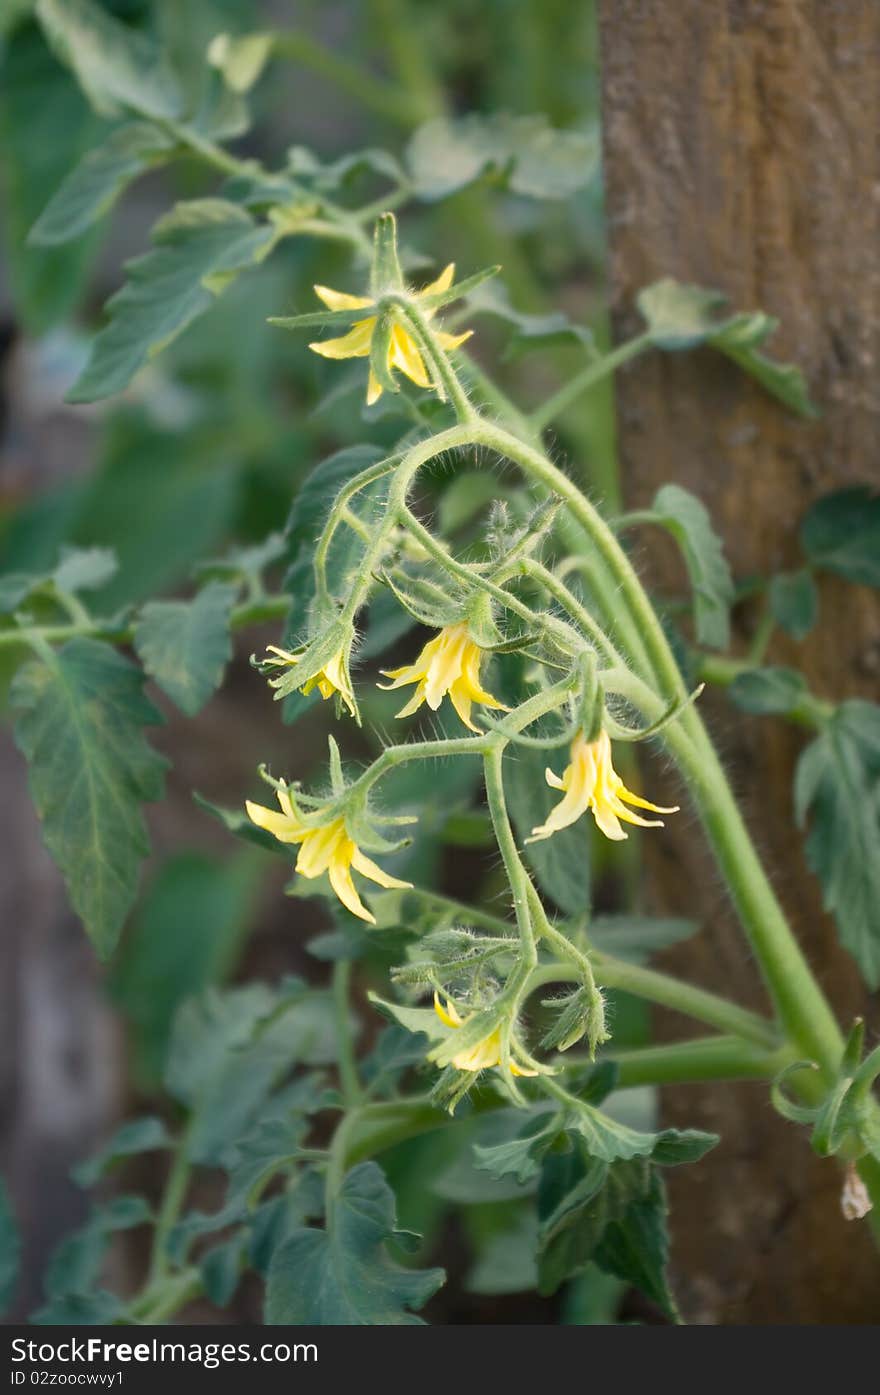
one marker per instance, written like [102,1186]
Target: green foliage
[198,247]
[10,1250]
[686,519]
[82,714]
[682,317]
[794,602]
[75,1267]
[769,690]
[841,534]
[45,126]
[141,1136]
[118,68]
[90,189]
[837,791]
[307,517]
[344,1275]
[229,1050]
[448,154]
[185,936]
[186,645]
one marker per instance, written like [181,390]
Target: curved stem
[348,1072]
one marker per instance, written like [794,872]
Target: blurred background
[739,152]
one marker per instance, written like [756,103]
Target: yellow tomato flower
[485,1054]
[327,848]
[448,664]
[591,782]
[402,350]
[331,679]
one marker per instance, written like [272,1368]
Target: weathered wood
[742,152]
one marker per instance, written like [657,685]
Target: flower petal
[355,344]
[442,283]
[448,1015]
[340,300]
[404,355]
[342,884]
[368,868]
[281,826]
[451,341]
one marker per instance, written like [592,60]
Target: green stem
[378,96]
[156,1305]
[688,1062]
[800,1002]
[594,372]
[173,1197]
[665,991]
[348,1072]
[516,874]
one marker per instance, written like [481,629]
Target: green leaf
[531,331]
[636,938]
[90,767]
[186,645]
[682,317]
[613,1216]
[686,518]
[307,518]
[768,690]
[80,1310]
[236,821]
[117,67]
[84,568]
[794,602]
[140,1136]
[505,1238]
[196,247]
[93,186]
[841,534]
[447,154]
[10,1251]
[343,1276]
[241,58]
[75,1265]
[45,128]
[185,936]
[837,791]
[229,1050]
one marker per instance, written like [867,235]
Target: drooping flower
[326,847]
[448,664]
[403,353]
[485,1054]
[591,782]
[332,678]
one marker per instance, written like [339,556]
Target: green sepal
[385,272]
[458,290]
[380,350]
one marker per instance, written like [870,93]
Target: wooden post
[742,152]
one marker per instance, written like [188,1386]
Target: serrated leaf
[75,1265]
[96,1309]
[307,517]
[10,1250]
[686,518]
[186,645]
[768,690]
[837,792]
[447,154]
[197,244]
[117,67]
[139,1136]
[81,728]
[93,186]
[343,1276]
[794,602]
[680,317]
[613,1216]
[841,534]
[229,1050]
